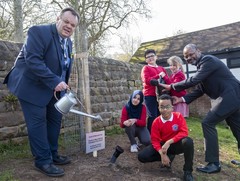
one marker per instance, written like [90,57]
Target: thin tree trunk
[85,74]
[18,21]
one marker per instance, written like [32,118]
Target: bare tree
[18,15]
[129,44]
[6,23]
[98,16]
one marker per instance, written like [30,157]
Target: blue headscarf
[135,111]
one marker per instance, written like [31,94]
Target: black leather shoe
[235,162]
[209,168]
[50,170]
[164,168]
[61,160]
[187,176]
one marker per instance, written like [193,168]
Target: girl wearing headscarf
[133,119]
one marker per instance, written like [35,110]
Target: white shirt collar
[152,65]
[164,120]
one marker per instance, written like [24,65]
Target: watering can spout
[85,114]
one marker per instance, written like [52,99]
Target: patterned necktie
[65,53]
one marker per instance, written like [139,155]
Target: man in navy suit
[43,67]
[214,79]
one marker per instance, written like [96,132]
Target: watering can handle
[68,89]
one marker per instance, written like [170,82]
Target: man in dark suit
[43,67]
[214,79]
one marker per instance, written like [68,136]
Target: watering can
[66,103]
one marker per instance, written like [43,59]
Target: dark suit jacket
[38,67]
[214,79]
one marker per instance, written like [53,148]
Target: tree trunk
[18,21]
[85,74]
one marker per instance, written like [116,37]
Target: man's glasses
[150,56]
[165,107]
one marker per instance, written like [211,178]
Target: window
[233,62]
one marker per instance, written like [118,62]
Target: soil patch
[126,168]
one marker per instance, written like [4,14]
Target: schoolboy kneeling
[169,137]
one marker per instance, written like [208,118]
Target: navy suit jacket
[38,67]
[214,79]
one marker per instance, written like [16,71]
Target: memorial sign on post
[95,141]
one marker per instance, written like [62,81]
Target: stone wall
[12,123]
[111,83]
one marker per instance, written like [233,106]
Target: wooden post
[86,88]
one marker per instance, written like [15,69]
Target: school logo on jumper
[175,127]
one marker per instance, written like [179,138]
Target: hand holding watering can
[61,87]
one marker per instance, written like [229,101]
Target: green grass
[17,151]
[227,143]
[114,130]
[227,150]
[14,151]
[7,176]
[226,140]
